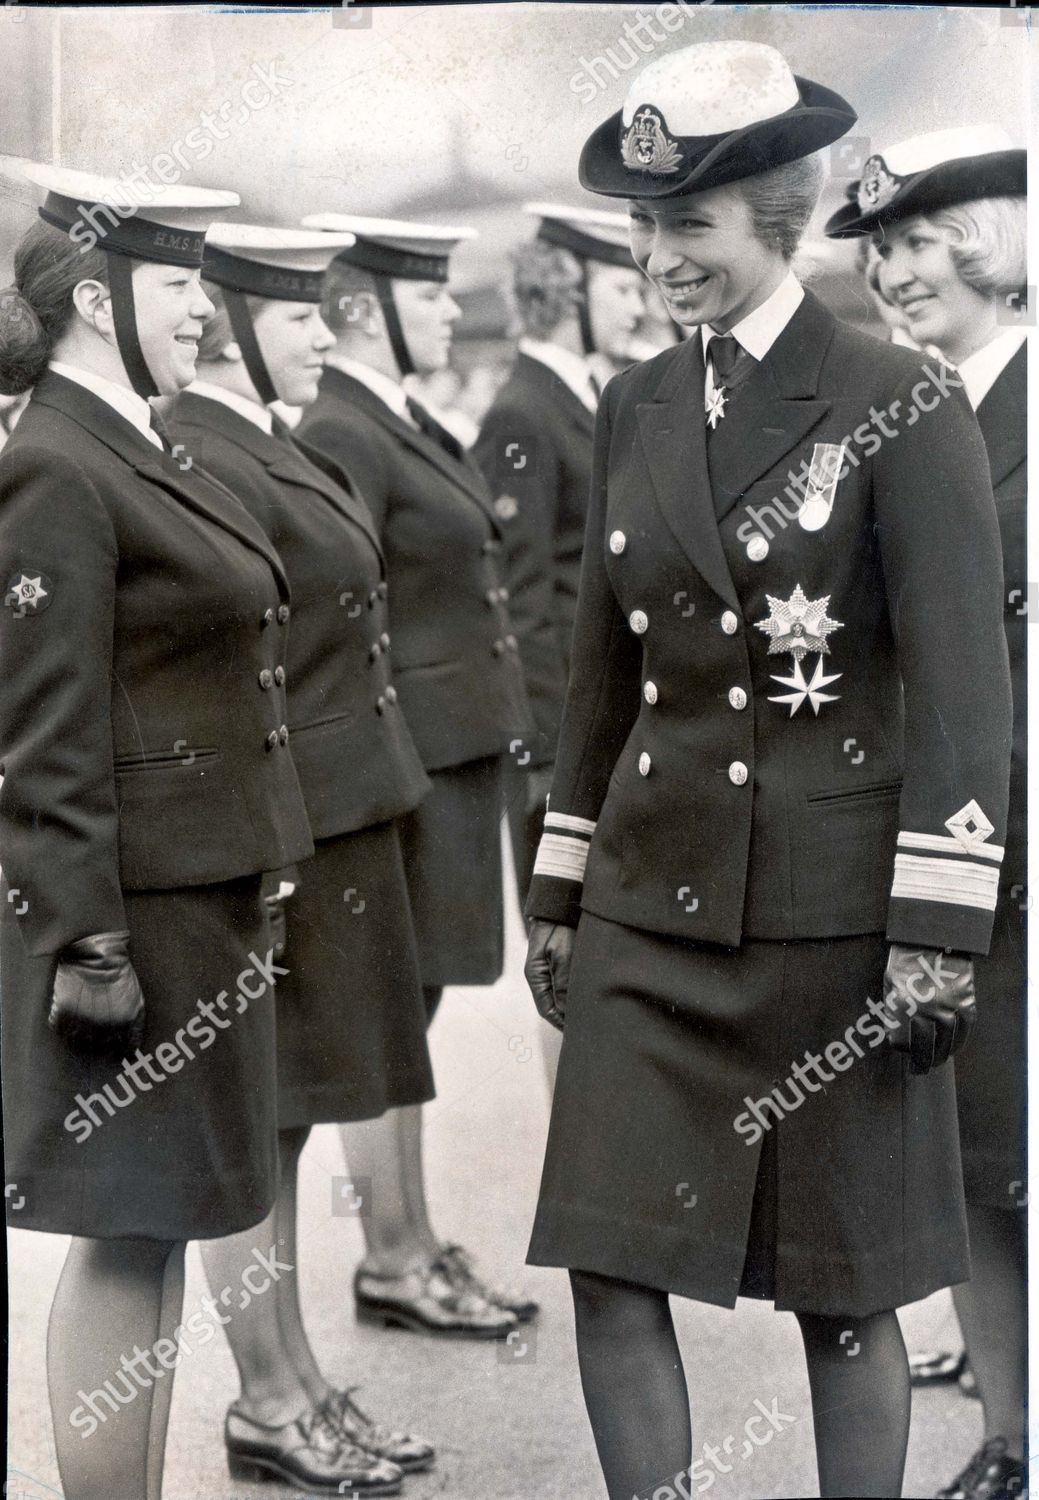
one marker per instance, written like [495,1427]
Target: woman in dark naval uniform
[458,673]
[777,816]
[351,1022]
[147,786]
[946,212]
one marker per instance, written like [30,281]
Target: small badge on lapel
[821,488]
[715,408]
[28,593]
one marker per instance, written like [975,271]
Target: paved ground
[508,1422]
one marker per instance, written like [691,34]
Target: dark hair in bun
[37,310]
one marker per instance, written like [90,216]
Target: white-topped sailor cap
[588,233]
[106,213]
[393,247]
[930,172]
[706,115]
[169,226]
[263,260]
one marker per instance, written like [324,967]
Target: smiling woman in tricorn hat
[779,800]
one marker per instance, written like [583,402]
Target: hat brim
[819,118]
[996,174]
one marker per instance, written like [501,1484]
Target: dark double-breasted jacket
[355,758]
[535,449]
[774,729]
[144,611]
[455,656]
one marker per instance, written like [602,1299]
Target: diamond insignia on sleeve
[969,827]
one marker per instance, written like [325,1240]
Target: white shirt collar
[980,370]
[125,401]
[758,331]
[571,368]
[384,386]
[251,410]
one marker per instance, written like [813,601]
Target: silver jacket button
[618,542]
[737,697]
[649,692]
[645,764]
[730,624]
[639,621]
[757,548]
[737,773]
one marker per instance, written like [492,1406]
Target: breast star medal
[801,625]
[715,406]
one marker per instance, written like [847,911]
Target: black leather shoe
[458,1264]
[936,1369]
[410,1453]
[428,1300]
[990,1475]
[310,1453]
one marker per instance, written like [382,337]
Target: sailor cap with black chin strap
[391,250]
[104,213]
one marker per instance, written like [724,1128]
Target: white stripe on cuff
[949,846]
[569,822]
[954,882]
[561,856]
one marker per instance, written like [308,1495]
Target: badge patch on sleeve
[28,592]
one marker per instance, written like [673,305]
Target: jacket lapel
[671,428]
[774,408]
[1002,417]
[464,475]
[550,387]
[279,456]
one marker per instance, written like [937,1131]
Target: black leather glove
[276,928]
[930,993]
[97,1005]
[539,784]
[548,969]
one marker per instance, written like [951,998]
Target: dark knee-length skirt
[183,1144]
[351,1018]
[452,856]
[666,1167]
[991,1070]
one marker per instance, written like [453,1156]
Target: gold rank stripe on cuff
[564,854]
[954,882]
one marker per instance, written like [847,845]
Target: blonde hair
[546,282]
[987,242]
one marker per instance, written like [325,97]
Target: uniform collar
[120,397]
[384,386]
[758,331]
[571,368]
[252,410]
[980,370]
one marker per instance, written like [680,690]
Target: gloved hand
[97,1005]
[930,993]
[539,784]
[548,968]
[275,904]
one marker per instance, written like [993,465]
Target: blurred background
[453,112]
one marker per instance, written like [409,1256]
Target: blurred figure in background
[579,299]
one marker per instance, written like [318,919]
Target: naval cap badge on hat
[930,172]
[710,114]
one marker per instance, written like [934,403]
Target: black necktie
[161,431]
[427,423]
[732,364]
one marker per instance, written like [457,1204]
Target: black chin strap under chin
[124,316]
[398,343]
[245,337]
[584,310]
